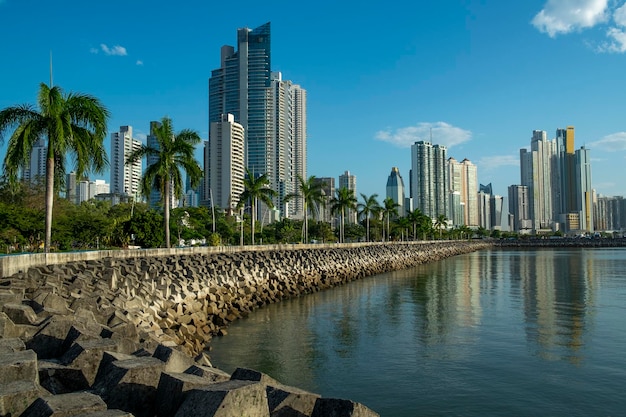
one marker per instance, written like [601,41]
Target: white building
[224,163]
[125,178]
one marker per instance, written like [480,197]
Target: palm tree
[255,189]
[440,222]
[367,208]
[344,200]
[310,191]
[416,217]
[73,124]
[171,153]
[389,208]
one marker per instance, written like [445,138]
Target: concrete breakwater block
[87,355]
[65,405]
[226,399]
[18,366]
[331,407]
[172,389]
[17,396]
[131,385]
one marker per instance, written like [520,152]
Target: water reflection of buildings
[558,288]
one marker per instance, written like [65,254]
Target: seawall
[152,312]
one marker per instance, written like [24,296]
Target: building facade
[348,181]
[429,184]
[125,178]
[272,112]
[395,190]
[224,163]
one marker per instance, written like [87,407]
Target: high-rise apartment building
[519,208]
[125,178]
[70,187]
[395,190]
[347,180]
[558,178]
[584,192]
[327,185]
[537,174]
[35,170]
[224,166]
[289,142]
[429,184]
[271,111]
[463,178]
[610,214]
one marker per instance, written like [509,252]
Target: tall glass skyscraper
[395,190]
[271,111]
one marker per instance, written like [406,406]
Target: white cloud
[614,142]
[442,134]
[619,16]
[115,50]
[139,62]
[489,163]
[565,16]
[616,43]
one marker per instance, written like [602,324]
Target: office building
[584,192]
[395,190]
[125,178]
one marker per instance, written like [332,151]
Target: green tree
[368,208]
[73,125]
[343,200]
[172,152]
[416,217]
[310,191]
[389,208]
[441,222]
[255,189]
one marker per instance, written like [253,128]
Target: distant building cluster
[258,123]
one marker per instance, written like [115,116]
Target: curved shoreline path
[75,333]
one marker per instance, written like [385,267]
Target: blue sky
[480,74]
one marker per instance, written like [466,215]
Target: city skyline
[479,83]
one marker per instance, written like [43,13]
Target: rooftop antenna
[431,129]
[50,69]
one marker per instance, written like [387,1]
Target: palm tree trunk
[368,227]
[166,212]
[306,224]
[254,201]
[49,198]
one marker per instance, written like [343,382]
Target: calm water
[491,333]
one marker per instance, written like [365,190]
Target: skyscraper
[519,208]
[536,170]
[125,178]
[463,178]
[289,142]
[429,185]
[395,190]
[271,111]
[347,180]
[224,163]
[584,192]
[328,189]
[36,169]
